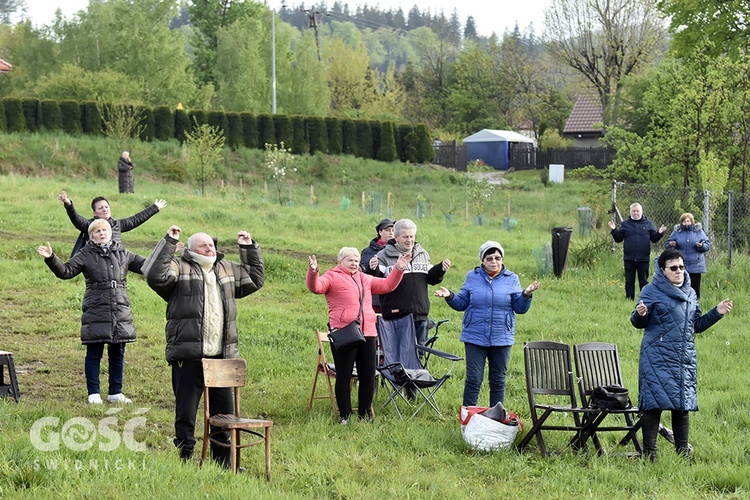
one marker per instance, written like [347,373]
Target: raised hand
[373,262]
[63,197]
[243,238]
[45,251]
[403,261]
[662,228]
[442,292]
[533,287]
[724,306]
[641,309]
[160,203]
[313,263]
[174,232]
[446,265]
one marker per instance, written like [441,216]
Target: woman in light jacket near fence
[689,238]
[491,296]
[349,291]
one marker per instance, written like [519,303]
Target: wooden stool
[6,359]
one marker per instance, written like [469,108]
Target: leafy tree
[470,29]
[33,55]
[74,82]
[8,8]
[204,147]
[122,123]
[348,86]
[604,41]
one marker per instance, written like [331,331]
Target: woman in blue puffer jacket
[689,238]
[491,297]
[668,367]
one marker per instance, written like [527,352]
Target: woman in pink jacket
[344,287]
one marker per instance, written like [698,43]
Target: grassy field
[312,455]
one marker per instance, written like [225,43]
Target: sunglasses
[675,268]
[495,258]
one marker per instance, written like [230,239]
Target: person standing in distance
[384,231]
[637,232]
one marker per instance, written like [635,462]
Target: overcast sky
[489,15]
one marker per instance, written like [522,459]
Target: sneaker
[343,421]
[95,399]
[117,398]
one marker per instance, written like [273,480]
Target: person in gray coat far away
[125,173]
[669,313]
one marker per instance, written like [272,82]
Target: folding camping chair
[402,368]
[598,364]
[549,373]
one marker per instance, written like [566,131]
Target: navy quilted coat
[668,366]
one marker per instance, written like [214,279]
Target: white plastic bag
[485,434]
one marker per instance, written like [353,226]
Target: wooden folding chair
[549,373]
[598,364]
[231,373]
[323,367]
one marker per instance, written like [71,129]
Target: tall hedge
[318,133]
[163,123]
[401,132]
[92,119]
[284,132]
[234,131]
[411,144]
[335,137]
[300,144]
[217,118]
[387,150]
[31,112]
[267,130]
[51,115]
[250,131]
[425,149]
[72,122]
[148,122]
[364,139]
[3,125]
[349,132]
[14,116]
[197,117]
[182,124]
[375,132]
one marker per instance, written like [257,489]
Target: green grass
[312,455]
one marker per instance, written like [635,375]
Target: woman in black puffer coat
[107,317]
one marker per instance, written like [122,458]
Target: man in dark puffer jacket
[200,289]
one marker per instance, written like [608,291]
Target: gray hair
[195,237]
[95,225]
[636,204]
[346,251]
[404,225]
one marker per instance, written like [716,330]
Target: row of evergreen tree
[384,141]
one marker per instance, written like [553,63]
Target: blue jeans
[498,358]
[94,353]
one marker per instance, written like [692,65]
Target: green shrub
[349,133]
[282,127]
[51,115]
[425,149]
[182,125]
[316,127]
[71,117]
[411,143]
[401,133]
[375,131]
[31,112]
[299,145]
[148,122]
[250,133]
[364,139]
[218,119]
[2,117]
[267,130]
[14,116]
[387,150]
[234,135]
[335,138]
[92,119]
[163,123]
[197,118]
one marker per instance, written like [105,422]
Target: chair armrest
[440,354]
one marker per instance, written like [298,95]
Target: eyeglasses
[490,259]
[675,268]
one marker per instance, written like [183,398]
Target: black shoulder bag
[349,336]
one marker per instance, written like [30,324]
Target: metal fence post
[706,212]
[730,217]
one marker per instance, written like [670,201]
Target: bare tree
[604,41]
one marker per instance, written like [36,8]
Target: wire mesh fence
[725,216]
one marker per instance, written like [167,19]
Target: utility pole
[312,22]
[273,57]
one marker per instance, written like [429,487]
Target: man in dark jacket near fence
[200,289]
[637,232]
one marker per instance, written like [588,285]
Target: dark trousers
[631,267]
[187,384]
[476,357]
[364,355]
[680,428]
[92,365]
[695,283]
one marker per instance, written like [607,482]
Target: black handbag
[610,397]
[350,336]
[347,337]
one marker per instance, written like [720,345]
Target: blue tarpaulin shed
[491,146]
